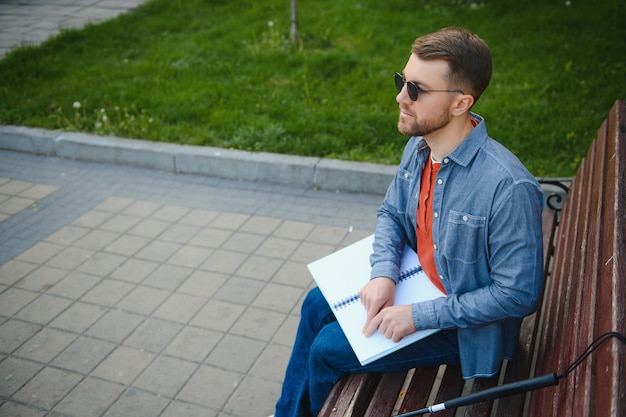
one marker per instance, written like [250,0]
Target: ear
[462,104]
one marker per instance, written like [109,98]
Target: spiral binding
[344,302]
[409,273]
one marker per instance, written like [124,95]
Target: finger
[371,312]
[385,329]
[365,327]
[369,315]
[396,336]
[371,326]
[390,332]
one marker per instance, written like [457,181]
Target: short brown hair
[467,55]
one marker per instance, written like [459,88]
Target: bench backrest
[586,291]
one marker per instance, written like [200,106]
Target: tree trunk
[294,22]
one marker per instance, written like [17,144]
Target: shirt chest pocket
[464,237]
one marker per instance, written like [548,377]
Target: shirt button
[436,214]
[406,175]
[439,182]
[435,245]
[446,160]
[441,277]
[464,218]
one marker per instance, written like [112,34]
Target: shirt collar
[465,152]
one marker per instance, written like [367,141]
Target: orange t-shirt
[425,244]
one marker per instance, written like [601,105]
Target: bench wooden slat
[617,267]
[386,394]
[419,390]
[581,282]
[611,362]
[363,394]
[347,391]
[596,198]
[451,387]
[483,408]
[333,397]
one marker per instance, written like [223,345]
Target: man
[473,213]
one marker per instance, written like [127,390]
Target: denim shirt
[488,244]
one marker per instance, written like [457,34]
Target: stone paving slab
[31,22]
[131,291]
[15,196]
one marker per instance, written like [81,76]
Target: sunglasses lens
[399,82]
[411,88]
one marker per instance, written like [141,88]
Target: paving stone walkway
[134,292]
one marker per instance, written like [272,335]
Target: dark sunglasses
[413,90]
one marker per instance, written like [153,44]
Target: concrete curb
[308,172]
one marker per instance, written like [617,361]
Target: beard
[423,128]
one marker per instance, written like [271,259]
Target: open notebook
[342,274]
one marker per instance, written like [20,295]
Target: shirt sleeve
[393,223]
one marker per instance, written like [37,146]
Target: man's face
[430,112]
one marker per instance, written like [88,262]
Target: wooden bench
[584,296]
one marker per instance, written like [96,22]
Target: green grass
[218,73]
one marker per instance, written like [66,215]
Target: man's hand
[394,322]
[377,294]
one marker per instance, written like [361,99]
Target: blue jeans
[322,355]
